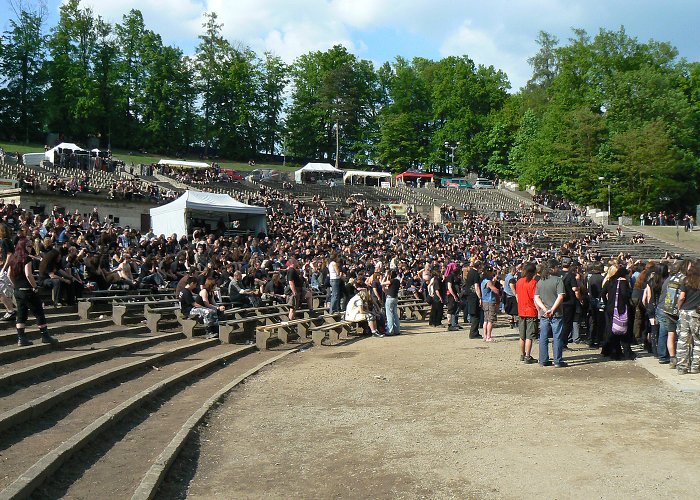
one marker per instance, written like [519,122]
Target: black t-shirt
[569,285]
[21,281]
[50,262]
[6,248]
[294,276]
[692,298]
[473,278]
[393,289]
[455,289]
[186,301]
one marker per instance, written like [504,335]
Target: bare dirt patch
[441,416]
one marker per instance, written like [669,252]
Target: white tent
[64,145]
[179,215]
[323,169]
[182,163]
[350,175]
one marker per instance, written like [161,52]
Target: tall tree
[23,72]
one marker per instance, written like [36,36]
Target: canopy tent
[351,176]
[184,164]
[210,210]
[414,177]
[316,171]
[63,148]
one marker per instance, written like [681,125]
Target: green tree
[23,73]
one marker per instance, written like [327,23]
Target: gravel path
[436,415]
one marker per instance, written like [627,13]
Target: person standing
[596,318]
[452,295]
[549,295]
[572,296]
[472,295]
[667,314]
[436,299]
[617,296]
[688,349]
[26,295]
[336,283]
[392,284]
[527,311]
[490,299]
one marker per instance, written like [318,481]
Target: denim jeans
[393,327]
[555,326]
[663,335]
[335,295]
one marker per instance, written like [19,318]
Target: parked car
[483,183]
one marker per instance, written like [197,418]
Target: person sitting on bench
[358,309]
[192,306]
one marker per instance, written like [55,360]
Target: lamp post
[452,148]
[610,183]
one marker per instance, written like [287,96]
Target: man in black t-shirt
[471,292]
[296,291]
[571,295]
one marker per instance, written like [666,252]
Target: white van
[483,183]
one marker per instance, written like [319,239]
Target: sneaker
[477,336]
[9,316]
[546,363]
[452,328]
[522,357]
[664,361]
[378,334]
[695,370]
[673,362]
[681,371]
[563,364]
[529,360]
[24,342]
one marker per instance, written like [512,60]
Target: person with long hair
[26,295]
[334,275]
[688,344]
[6,249]
[451,293]
[436,299]
[650,299]
[617,295]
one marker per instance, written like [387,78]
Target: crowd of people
[361,259]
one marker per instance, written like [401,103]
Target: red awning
[414,175]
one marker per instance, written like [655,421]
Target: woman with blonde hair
[359,309]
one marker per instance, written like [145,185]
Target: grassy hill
[134,157]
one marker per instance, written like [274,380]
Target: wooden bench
[298,327]
[123,310]
[87,305]
[414,310]
[333,331]
[245,328]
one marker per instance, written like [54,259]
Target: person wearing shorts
[490,295]
[527,311]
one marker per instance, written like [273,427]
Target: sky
[501,33]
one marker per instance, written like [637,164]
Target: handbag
[619,321]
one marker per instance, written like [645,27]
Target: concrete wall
[128,213]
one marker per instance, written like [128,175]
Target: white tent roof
[64,145]
[182,163]
[318,167]
[362,173]
[209,202]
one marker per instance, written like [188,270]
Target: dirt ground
[432,414]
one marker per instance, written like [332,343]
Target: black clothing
[294,276]
[187,302]
[50,263]
[615,346]
[393,288]
[21,281]
[692,298]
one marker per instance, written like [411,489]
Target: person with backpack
[667,314]
[688,347]
[619,313]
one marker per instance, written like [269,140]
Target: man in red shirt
[527,311]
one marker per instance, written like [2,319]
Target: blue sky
[501,33]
